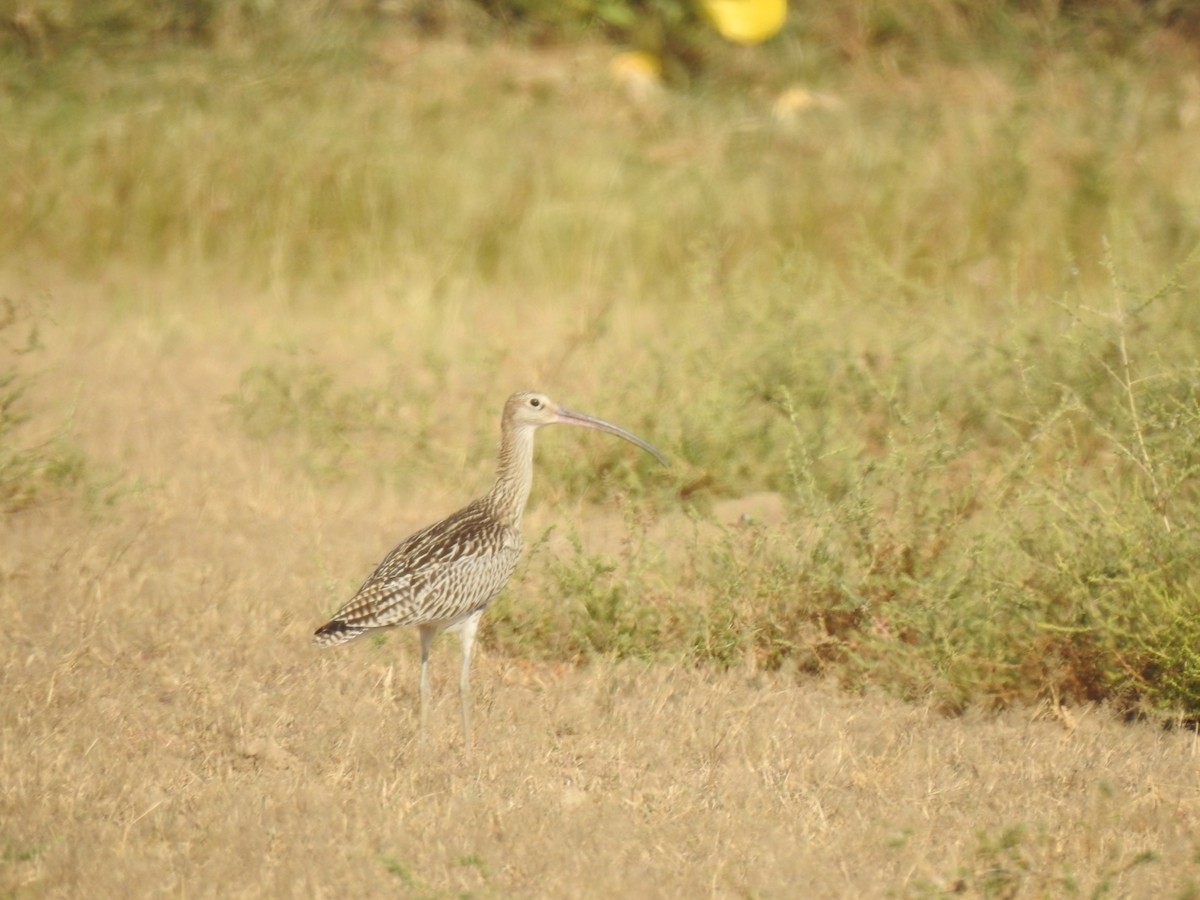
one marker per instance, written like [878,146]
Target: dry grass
[943,331]
[169,730]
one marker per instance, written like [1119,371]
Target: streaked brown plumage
[445,575]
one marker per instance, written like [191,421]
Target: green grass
[1019,861]
[36,465]
[952,319]
[296,407]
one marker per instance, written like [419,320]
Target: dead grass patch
[168,729]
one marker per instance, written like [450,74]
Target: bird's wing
[439,574]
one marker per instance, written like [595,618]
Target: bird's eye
[535,402]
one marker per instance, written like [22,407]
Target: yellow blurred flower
[746,21]
[639,75]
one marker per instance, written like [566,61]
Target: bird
[444,576]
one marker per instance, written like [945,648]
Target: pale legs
[466,629]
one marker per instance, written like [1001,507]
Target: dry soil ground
[167,728]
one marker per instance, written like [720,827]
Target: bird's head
[530,409]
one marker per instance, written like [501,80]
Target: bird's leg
[467,631]
[427,634]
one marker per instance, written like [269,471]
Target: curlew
[444,576]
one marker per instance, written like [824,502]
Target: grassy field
[915,612]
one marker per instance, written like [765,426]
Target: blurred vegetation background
[924,270]
[947,29]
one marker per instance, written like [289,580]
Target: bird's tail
[336,632]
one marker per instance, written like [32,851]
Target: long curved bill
[570,417]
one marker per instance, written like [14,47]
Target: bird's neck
[514,476]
